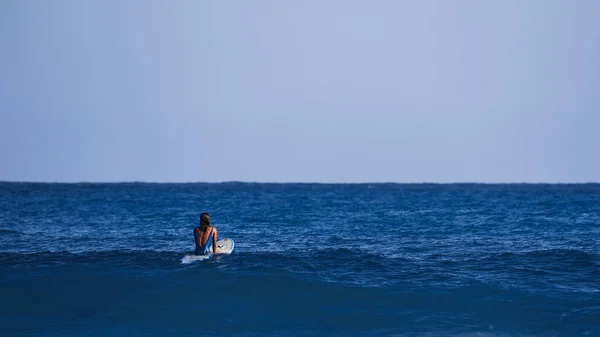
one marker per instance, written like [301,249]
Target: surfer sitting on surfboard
[203,235]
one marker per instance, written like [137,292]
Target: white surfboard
[224,246]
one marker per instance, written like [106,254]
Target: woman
[203,235]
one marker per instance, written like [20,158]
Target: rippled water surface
[310,259]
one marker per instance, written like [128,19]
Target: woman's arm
[215,241]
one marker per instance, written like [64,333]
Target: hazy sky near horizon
[300,91]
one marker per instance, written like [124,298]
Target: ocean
[310,260]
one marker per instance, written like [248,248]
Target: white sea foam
[191,258]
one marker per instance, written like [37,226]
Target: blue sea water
[310,260]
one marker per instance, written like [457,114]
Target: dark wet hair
[204,221]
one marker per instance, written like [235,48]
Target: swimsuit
[206,248]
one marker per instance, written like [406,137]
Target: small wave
[9,231]
[331,265]
[572,257]
[143,259]
[565,255]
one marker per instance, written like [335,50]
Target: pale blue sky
[300,91]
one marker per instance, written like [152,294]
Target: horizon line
[300,182]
